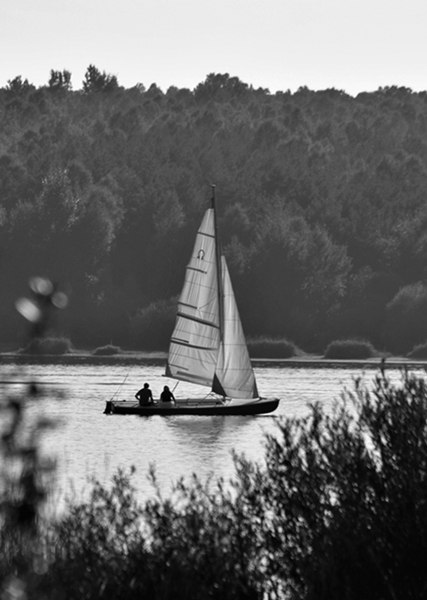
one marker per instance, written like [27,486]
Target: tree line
[321,200]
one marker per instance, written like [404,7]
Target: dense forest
[321,200]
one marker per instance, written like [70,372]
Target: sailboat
[207,346]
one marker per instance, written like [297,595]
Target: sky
[351,45]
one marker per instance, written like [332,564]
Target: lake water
[88,443]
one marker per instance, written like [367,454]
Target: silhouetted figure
[166,395]
[145,396]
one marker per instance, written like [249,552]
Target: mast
[218,267]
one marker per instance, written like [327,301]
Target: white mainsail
[208,345]
[195,341]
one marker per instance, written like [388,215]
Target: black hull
[191,407]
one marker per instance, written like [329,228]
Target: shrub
[197,544]
[99,549]
[350,349]
[48,345]
[107,350]
[265,347]
[341,503]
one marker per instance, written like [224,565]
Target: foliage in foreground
[26,476]
[346,496]
[336,511]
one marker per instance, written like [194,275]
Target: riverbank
[137,357]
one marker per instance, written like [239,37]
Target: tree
[95,81]
[220,86]
[60,80]
[17,86]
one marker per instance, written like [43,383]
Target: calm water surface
[88,443]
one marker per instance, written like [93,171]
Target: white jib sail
[194,347]
[234,370]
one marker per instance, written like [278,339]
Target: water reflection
[196,431]
[207,442]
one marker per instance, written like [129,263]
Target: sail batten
[194,269]
[197,320]
[188,345]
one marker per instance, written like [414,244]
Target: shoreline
[136,357]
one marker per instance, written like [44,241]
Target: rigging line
[222,400]
[118,390]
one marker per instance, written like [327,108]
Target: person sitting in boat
[145,396]
[166,395]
